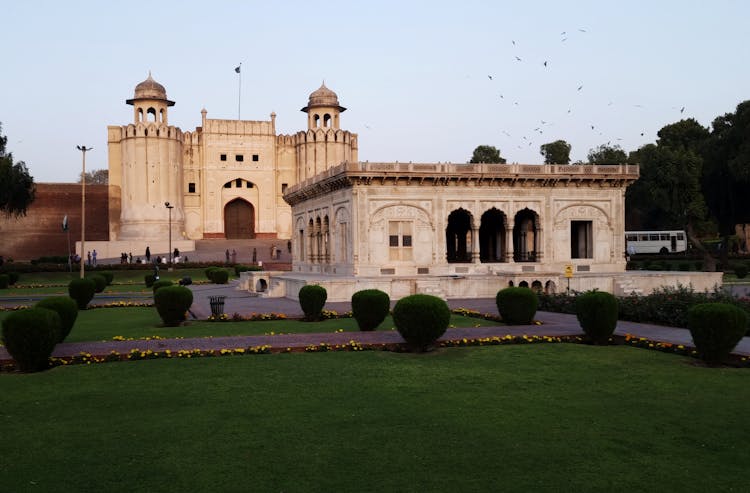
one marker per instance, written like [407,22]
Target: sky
[423,81]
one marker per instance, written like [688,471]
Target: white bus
[655,242]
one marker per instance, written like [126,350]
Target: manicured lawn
[537,418]
[136,322]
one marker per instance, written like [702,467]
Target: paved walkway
[242,302]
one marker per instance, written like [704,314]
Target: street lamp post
[169,208]
[83,150]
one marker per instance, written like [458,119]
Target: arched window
[316,120]
[140,114]
[151,114]
[326,120]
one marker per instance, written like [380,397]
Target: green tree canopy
[16,185]
[606,154]
[726,172]
[557,152]
[96,177]
[487,154]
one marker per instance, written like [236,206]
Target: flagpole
[239,91]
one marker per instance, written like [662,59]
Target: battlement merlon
[547,175]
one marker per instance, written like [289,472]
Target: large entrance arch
[239,220]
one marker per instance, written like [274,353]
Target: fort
[453,230]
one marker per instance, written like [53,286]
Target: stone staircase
[215,251]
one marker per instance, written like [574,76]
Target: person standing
[255,255]
[148,254]
[88,258]
[130,257]
[93,257]
[234,256]
[227,255]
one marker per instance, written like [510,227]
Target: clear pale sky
[414,75]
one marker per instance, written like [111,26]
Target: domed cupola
[323,97]
[150,89]
[323,109]
[150,102]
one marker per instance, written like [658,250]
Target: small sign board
[569,270]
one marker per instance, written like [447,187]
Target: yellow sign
[569,270]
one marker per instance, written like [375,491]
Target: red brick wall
[40,233]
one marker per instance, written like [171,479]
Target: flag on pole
[237,68]
[65,223]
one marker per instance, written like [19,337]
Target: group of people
[91,258]
[232,255]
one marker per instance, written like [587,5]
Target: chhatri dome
[150,89]
[323,97]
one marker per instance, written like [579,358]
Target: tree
[96,177]
[16,185]
[669,192]
[726,173]
[606,154]
[487,154]
[557,152]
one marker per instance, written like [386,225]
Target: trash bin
[217,305]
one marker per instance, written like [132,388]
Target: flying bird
[582,30]
[489,77]
[513,41]
[641,134]
[580,87]
[518,59]
[562,33]
[682,109]
[545,63]
[592,127]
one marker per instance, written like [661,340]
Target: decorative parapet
[538,175]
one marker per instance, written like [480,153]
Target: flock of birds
[525,140]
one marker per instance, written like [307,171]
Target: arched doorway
[239,220]
[492,236]
[458,236]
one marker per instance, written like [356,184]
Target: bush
[370,307]
[82,291]
[66,308]
[149,279]
[172,303]
[108,276]
[716,329]
[516,305]
[597,314]
[312,299]
[220,276]
[162,283]
[210,272]
[245,268]
[740,270]
[4,281]
[30,336]
[12,276]
[99,282]
[421,319]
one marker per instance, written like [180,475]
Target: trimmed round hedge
[370,307]
[597,314]
[210,272]
[30,336]
[516,305]
[66,308]
[220,276]
[421,319]
[716,329]
[312,299]
[161,283]
[108,276]
[172,303]
[99,282]
[82,291]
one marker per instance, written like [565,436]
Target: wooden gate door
[239,220]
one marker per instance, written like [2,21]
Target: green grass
[541,418]
[138,322]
